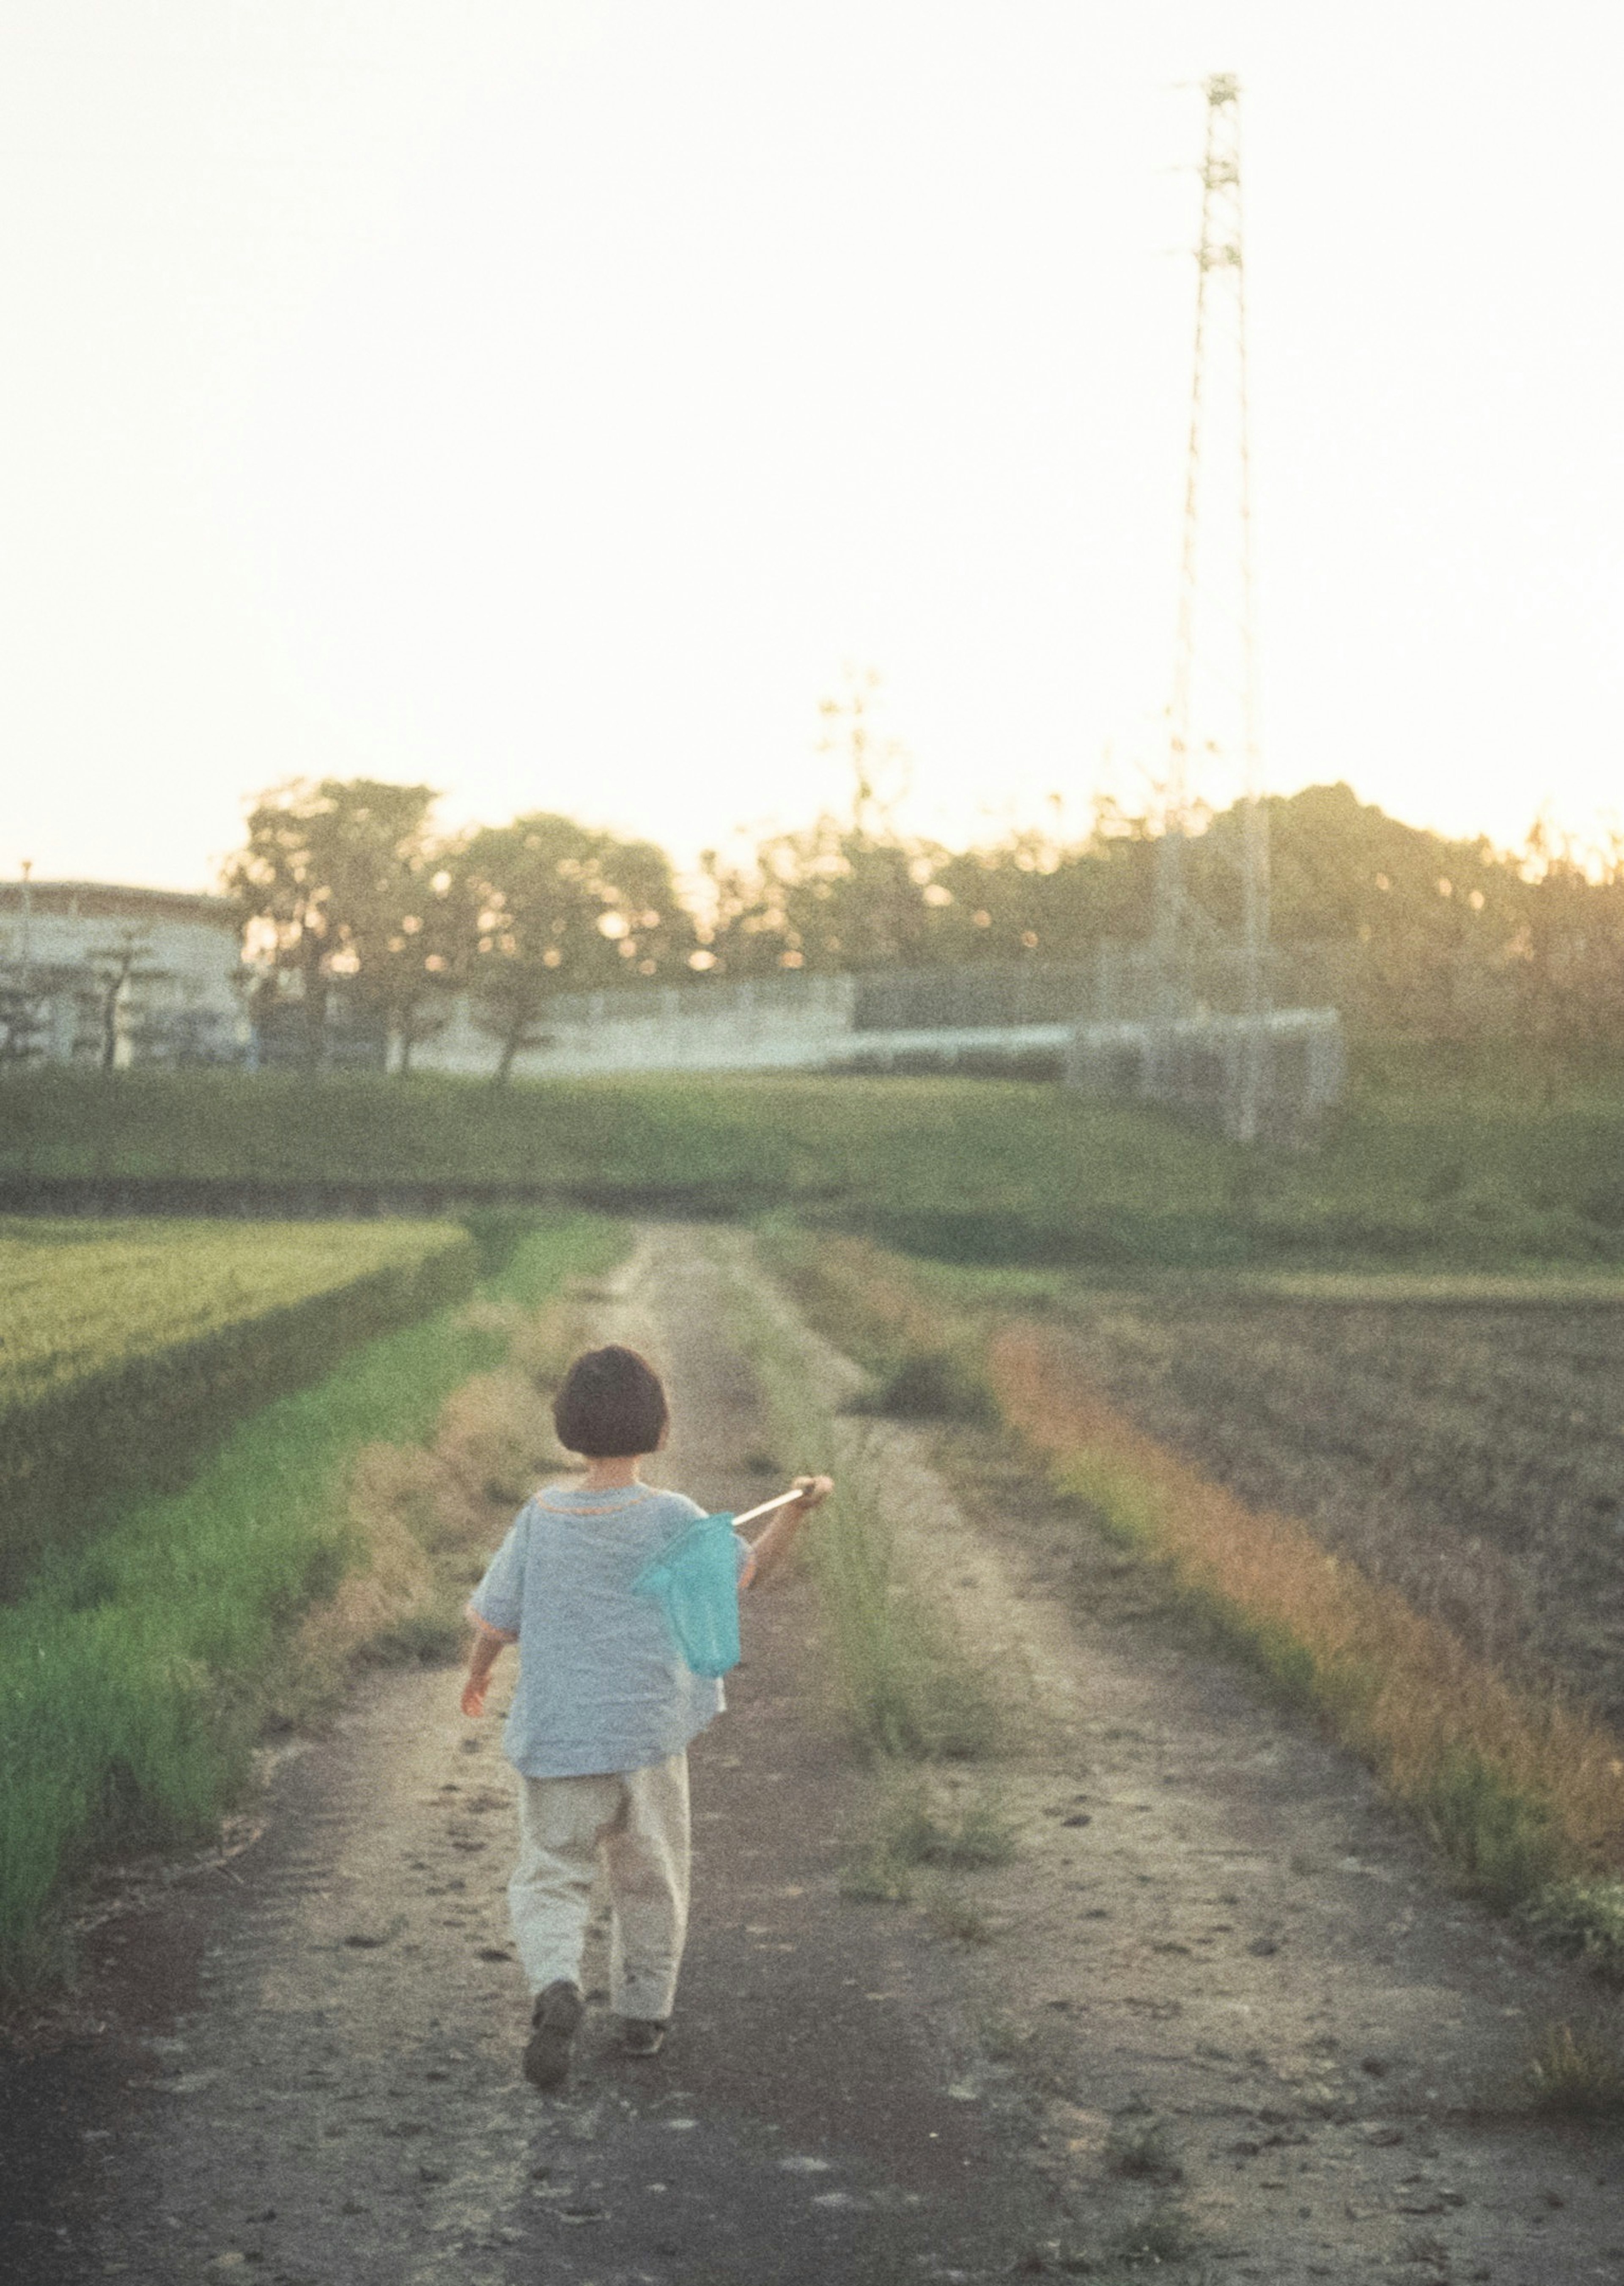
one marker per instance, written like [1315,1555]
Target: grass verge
[138,1670]
[1464,1162]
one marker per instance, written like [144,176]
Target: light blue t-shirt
[601,1685]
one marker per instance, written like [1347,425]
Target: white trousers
[634,1825]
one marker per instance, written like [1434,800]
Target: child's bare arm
[767,1555]
[488,1648]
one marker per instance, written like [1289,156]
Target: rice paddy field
[127,1348]
[78,1297]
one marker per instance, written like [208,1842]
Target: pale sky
[548,399]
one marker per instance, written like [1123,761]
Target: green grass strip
[130,1673]
[1414,1173]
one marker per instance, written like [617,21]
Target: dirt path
[322,2085]
[1228,2024]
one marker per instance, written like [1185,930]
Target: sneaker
[554,2022]
[641,2036]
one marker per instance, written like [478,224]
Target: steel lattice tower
[1213,716]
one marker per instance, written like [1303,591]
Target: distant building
[92,972]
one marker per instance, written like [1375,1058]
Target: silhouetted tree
[560,907]
[332,871]
[111,970]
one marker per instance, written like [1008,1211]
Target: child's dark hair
[612,1405]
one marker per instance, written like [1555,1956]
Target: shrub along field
[137,1667]
[129,1347]
[1487,1161]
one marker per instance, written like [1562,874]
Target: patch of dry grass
[1516,1787]
[950,1913]
[911,1824]
[1138,2148]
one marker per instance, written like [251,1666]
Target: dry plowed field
[1473,1455]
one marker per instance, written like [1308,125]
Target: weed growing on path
[1585,1918]
[873,1877]
[1163,2237]
[978,1837]
[906,1684]
[950,1913]
[927,1384]
[865,1301]
[1577,2075]
[1138,2148]
[908,1828]
[1042,2056]
[920,1832]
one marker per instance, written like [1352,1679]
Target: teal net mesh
[695,1582]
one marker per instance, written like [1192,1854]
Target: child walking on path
[604,1709]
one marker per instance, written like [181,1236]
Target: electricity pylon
[1214,708]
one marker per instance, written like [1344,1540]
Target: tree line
[348,890]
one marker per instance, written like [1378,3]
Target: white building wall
[722,1027]
[188,955]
